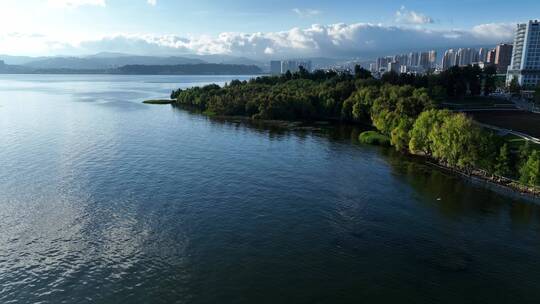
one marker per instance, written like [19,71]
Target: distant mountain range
[110,61]
[115,60]
[117,63]
[178,69]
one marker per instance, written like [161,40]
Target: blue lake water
[106,200]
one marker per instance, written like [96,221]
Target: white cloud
[152,2]
[304,13]
[503,31]
[335,40]
[75,3]
[411,17]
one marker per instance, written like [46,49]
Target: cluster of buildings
[415,62]
[281,67]
[520,60]
[423,62]
[500,57]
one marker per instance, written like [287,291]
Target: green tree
[514,86]
[288,75]
[524,152]
[472,75]
[490,73]
[361,73]
[390,78]
[455,142]
[421,134]
[530,172]
[399,136]
[537,95]
[385,121]
[503,162]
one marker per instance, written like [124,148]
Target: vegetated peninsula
[406,112]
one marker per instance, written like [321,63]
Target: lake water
[107,200]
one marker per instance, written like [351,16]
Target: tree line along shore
[405,112]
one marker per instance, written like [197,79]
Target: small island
[158,101]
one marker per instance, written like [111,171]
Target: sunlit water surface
[107,200]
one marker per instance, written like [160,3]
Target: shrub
[374,138]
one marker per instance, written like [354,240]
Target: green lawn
[521,121]
[515,142]
[478,102]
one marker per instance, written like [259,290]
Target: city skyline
[291,29]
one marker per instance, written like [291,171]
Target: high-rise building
[433,59]
[275,67]
[394,67]
[424,60]
[382,63]
[402,59]
[465,56]
[491,56]
[449,59]
[482,55]
[503,57]
[525,63]
[293,66]
[414,59]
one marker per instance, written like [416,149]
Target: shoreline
[508,186]
[497,184]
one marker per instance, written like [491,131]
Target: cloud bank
[335,40]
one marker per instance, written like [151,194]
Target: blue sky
[253,28]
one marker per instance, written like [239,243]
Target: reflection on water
[103,203]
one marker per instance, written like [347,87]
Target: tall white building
[433,59]
[525,64]
[424,60]
[482,55]
[465,56]
[449,59]
[414,59]
[402,59]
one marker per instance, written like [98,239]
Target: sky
[272,29]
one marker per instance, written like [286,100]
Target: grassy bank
[374,138]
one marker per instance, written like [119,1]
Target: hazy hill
[106,62]
[19,60]
[226,59]
[179,69]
